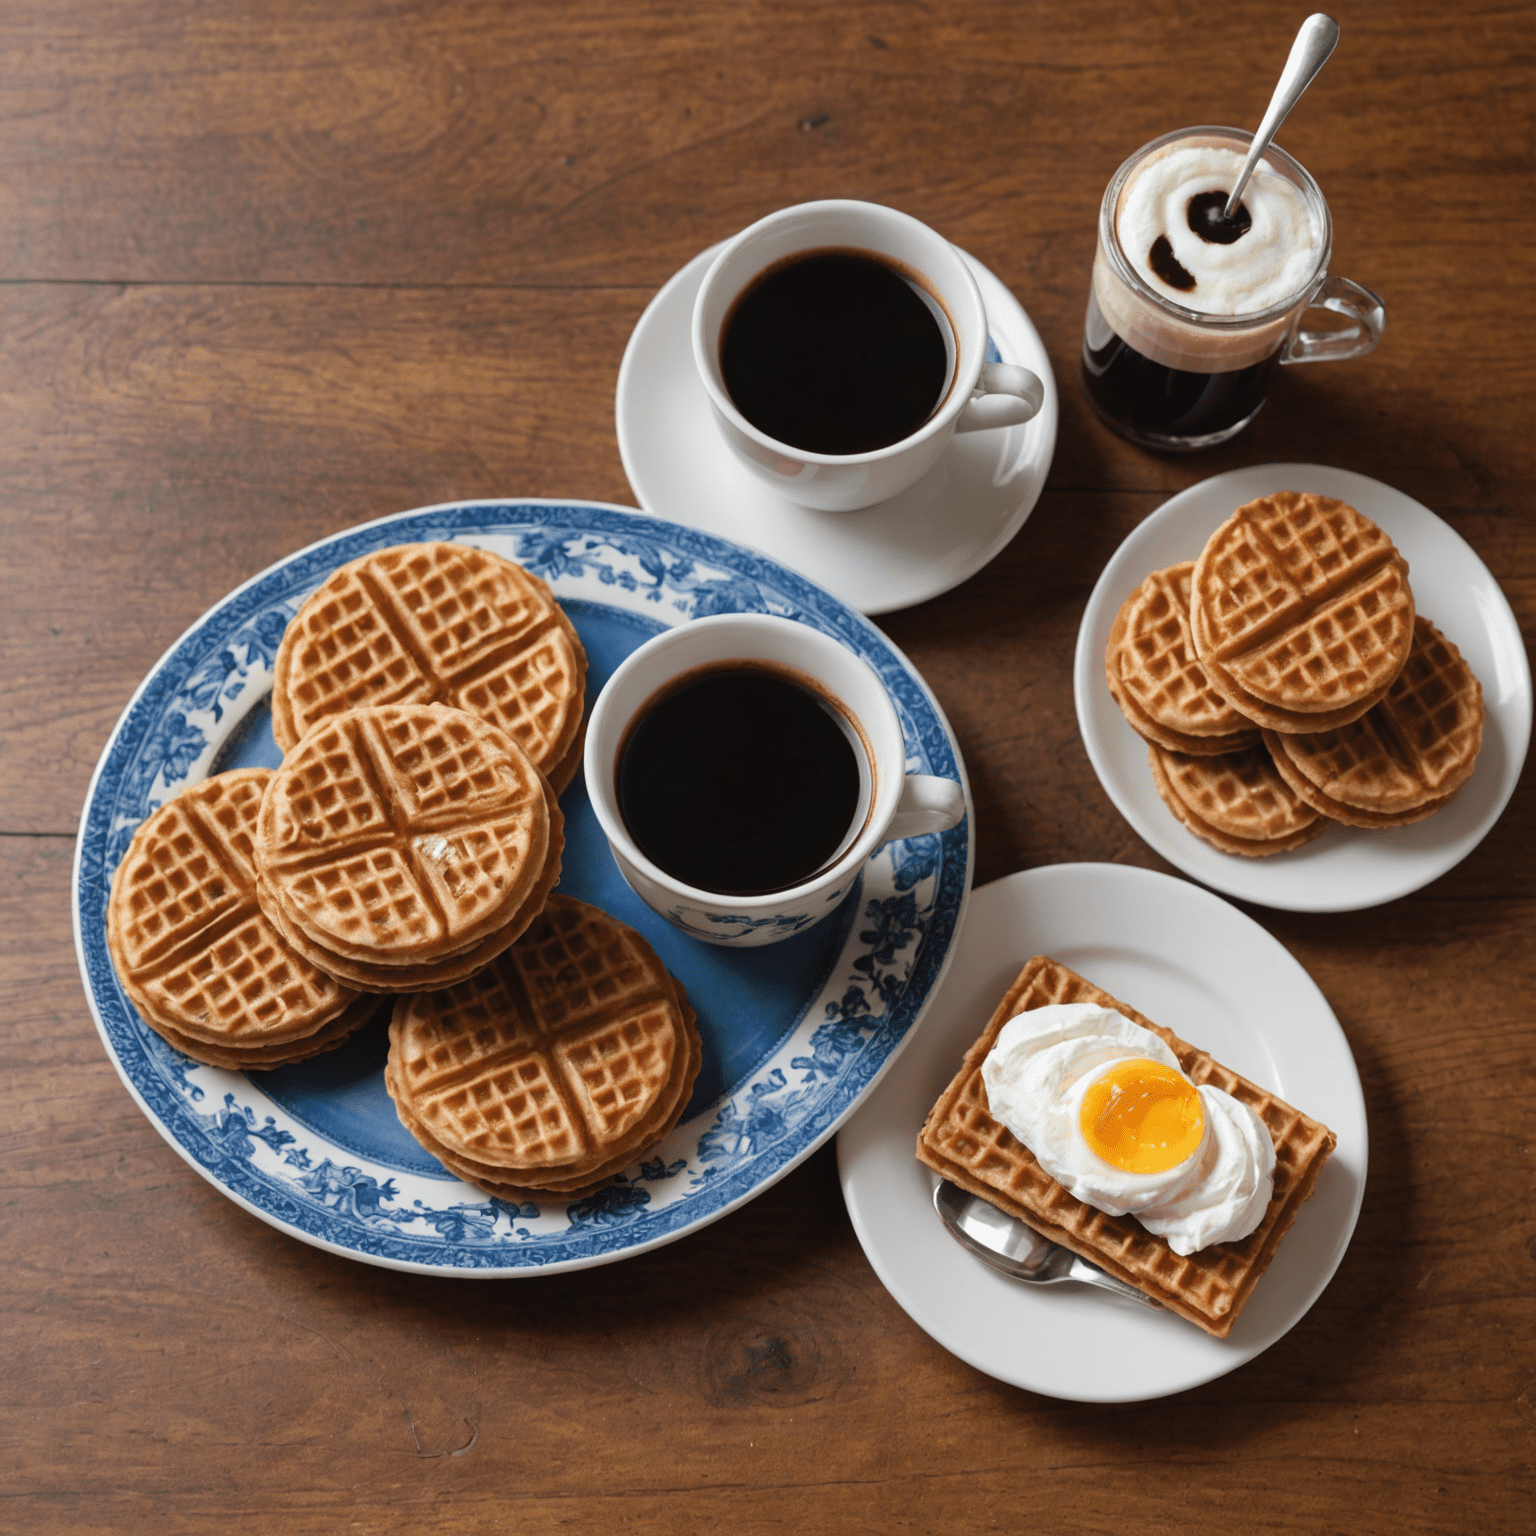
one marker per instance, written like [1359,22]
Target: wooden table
[273,270]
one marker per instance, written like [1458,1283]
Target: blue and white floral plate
[794,1035]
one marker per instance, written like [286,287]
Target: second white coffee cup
[979,395]
[897,804]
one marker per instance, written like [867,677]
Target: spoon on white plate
[1018,1250]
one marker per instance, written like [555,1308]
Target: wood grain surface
[270,270]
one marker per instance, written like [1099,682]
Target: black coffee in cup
[743,778]
[836,352]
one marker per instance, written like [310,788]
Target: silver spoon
[1318,37]
[1018,1250]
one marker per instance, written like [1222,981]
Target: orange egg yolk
[1142,1116]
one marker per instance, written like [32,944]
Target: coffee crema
[836,352]
[742,778]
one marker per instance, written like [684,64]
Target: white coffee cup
[979,394]
[896,804]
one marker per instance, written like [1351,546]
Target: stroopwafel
[554,1068]
[1301,612]
[1156,678]
[1238,803]
[198,958]
[1405,758]
[398,845]
[437,624]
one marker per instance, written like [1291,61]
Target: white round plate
[889,556]
[1188,960]
[794,1034]
[1346,868]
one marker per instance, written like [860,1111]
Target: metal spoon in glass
[1016,1249]
[1318,37]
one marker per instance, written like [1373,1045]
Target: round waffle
[1405,758]
[437,624]
[200,961]
[443,972]
[1301,612]
[1238,802]
[399,844]
[1156,678]
[258,1058]
[553,1068]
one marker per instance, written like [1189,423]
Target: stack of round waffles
[429,702]
[402,847]
[552,1069]
[437,624]
[197,957]
[1297,622]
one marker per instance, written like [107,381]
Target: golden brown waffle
[961,1141]
[196,955]
[404,835]
[1301,612]
[1238,803]
[437,624]
[259,1058]
[1405,758]
[458,965]
[1156,678]
[514,1184]
[553,1068]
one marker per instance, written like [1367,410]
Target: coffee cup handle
[1006,396]
[927,804]
[1340,297]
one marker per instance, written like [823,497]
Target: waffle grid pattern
[192,947]
[1158,662]
[437,861]
[1413,750]
[497,1078]
[1179,779]
[1241,793]
[1339,652]
[962,1141]
[1301,604]
[436,623]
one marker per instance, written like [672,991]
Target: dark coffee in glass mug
[1190,313]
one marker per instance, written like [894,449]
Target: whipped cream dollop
[1074,1082]
[1171,198]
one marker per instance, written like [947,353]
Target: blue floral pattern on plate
[878,963]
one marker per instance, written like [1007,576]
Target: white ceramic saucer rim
[904,582]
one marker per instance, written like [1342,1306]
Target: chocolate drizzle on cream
[1166,265]
[1170,223]
[1206,219]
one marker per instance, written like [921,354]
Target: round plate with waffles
[1344,868]
[775,1046]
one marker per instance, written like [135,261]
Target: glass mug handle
[1355,303]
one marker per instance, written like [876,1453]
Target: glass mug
[1167,376]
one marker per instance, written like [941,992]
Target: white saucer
[892,555]
[1345,869]
[1188,960]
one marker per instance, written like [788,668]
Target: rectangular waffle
[961,1141]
